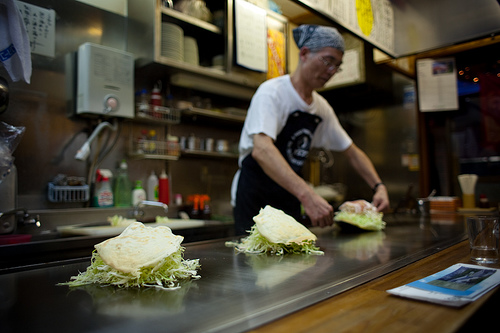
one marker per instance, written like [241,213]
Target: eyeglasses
[329,66]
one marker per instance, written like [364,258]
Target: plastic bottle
[163,188]
[138,194]
[153,184]
[205,210]
[195,212]
[123,188]
[143,102]
[156,95]
[483,201]
[142,142]
[152,141]
[103,196]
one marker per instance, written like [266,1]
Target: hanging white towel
[15,53]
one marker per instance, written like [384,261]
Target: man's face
[322,65]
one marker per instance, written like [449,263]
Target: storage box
[446,204]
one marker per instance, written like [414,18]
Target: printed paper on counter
[455,286]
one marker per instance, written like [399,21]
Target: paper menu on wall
[251,36]
[437,84]
[40,25]
[455,286]
[372,20]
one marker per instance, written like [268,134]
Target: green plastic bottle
[123,187]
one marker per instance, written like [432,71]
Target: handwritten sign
[40,25]
[372,20]
[251,36]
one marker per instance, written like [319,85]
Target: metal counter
[57,248]
[236,292]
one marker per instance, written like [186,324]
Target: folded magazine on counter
[455,286]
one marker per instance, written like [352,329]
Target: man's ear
[304,51]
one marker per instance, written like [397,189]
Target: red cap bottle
[163,188]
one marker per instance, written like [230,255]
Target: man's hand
[275,166]
[318,209]
[381,198]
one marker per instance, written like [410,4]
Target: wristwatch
[376,186]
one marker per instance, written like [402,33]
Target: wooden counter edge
[369,308]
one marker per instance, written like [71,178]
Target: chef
[286,118]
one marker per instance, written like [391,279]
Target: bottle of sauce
[156,99]
[163,188]
[483,201]
[156,96]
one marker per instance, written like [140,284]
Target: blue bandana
[316,37]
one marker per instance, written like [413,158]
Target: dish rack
[159,114]
[68,193]
[155,149]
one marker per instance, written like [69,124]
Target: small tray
[68,193]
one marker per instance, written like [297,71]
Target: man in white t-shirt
[286,118]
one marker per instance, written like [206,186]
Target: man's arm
[275,166]
[364,166]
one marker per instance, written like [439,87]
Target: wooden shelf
[137,156]
[198,153]
[191,20]
[213,114]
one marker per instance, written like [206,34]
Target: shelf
[485,159]
[191,20]
[213,114]
[137,156]
[175,66]
[188,152]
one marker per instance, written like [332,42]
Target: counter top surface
[81,244]
[369,308]
[236,292]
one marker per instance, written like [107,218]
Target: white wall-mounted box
[105,81]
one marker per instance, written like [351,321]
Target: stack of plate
[172,41]
[191,51]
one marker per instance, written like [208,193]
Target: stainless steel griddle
[237,292]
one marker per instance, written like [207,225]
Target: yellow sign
[365,16]
[276,53]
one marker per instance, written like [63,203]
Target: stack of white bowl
[191,51]
[172,41]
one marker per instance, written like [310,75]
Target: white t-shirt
[268,113]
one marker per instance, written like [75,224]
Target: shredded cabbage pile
[162,219]
[368,220]
[165,275]
[120,221]
[257,244]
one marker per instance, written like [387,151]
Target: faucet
[23,219]
[83,153]
[138,212]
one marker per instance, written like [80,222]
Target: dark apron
[256,189]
